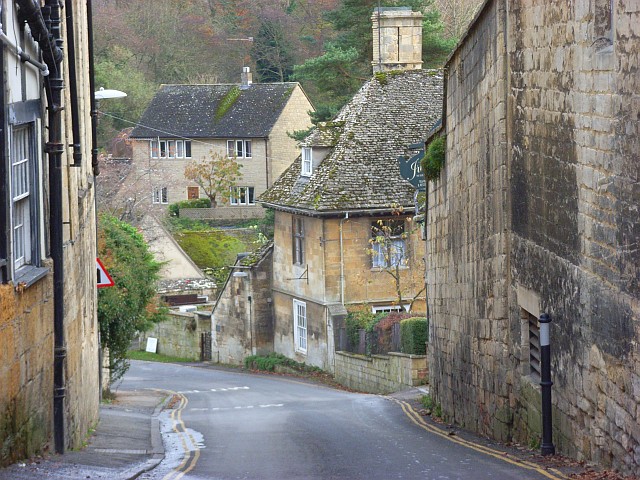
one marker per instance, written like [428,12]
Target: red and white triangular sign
[104,279]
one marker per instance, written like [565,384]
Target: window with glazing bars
[21,195]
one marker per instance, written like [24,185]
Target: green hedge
[414,333]
[174,208]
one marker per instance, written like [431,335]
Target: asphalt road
[234,425]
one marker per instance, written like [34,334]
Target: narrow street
[228,425]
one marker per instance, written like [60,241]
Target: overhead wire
[222,149]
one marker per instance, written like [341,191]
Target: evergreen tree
[335,76]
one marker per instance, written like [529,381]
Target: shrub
[174,208]
[414,333]
[130,306]
[360,320]
[268,363]
[384,331]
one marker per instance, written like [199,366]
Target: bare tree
[457,14]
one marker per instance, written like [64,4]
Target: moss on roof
[365,139]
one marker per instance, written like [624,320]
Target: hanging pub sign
[411,170]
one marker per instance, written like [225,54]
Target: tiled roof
[194,111]
[361,171]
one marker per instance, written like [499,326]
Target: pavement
[126,443]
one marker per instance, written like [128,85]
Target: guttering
[29,11]
[73,84]
[22,55]
[92,86]
[356,212]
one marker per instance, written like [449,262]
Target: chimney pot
[246,78]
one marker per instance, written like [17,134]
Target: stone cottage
[536,211]
[346,184]
[49,375]
[249,122]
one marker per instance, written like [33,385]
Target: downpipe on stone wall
[54,148]
[44,24]
[94,108]
[547,447]
[73,84]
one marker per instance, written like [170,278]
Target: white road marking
[229,389]
[247,407]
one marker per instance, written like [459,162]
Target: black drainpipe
[73,84]
[92,86]
[47,34]
[55,149]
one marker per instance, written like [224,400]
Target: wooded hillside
[324,44]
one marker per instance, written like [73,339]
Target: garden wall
[223,213]
[380,373]
[179,336]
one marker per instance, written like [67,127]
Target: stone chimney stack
[246,78]
[397,39]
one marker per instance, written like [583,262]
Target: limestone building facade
[536,211]
[49,345]
[249,122]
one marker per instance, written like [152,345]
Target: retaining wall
[380,373]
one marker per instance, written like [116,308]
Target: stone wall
[576,223]
[26,370]
[179,335]
[380,373]
[243,315]
[222,213]
[536,211]
[470,365]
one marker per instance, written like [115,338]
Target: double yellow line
[190,456]
[417,419]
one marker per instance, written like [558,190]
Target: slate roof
[192,111]
[361,172]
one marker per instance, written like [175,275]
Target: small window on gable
[298,240]
[307,162]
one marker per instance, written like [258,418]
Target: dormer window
[307,162]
